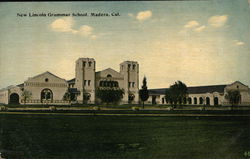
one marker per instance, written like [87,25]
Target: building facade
[47,88]
[214,95]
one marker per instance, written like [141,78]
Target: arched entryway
[216,101]
[86,98]
[189,100]
[131,98]
[195,100]
[207,101]
[14,98]
[201,100]
[46,95]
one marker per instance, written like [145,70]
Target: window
[46,80]
[133,66]
[85,82]
[109,76]
[89,82]
[84,63]
[90,64]
[46,94]
[129,66]
[129,84]
[133,84]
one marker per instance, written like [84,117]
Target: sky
[198,42]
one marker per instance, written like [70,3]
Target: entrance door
[14,98]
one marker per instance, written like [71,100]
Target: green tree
[234,97]
[26,95]
[109,94]
[143,93]
[67,96]
[176,93]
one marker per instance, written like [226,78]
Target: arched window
[108,84]
[201,100]
[90,64]
[216,101]
[162,100]
[46,95]
[129,66]
[189,100]
[101,83]
[105,84]
[133,66]
[207,101]
[109,75]
[195,100]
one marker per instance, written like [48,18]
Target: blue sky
[197,42]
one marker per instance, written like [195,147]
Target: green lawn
[112,137]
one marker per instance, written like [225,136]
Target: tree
[143,93]
[234,97]
[69,96]
[110,94]
[176,93]
[26,95]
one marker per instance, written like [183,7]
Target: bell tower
[85,79]
[130,72]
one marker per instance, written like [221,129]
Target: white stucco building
[47,88]
[205,95]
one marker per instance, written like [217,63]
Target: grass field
[123,137]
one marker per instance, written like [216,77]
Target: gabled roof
[47,72]
[237,82]
[192,90]
[110,70]
[20,85]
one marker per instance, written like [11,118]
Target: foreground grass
[110,137]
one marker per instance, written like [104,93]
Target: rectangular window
[85,82]
[133,84]
[89,82]
[133,67]
[129,84]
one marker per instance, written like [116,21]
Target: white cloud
[62,25]
[85,30]
[66,25]
[144,15]
[200,29]
[191,24]
[238,43]
[218,20]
